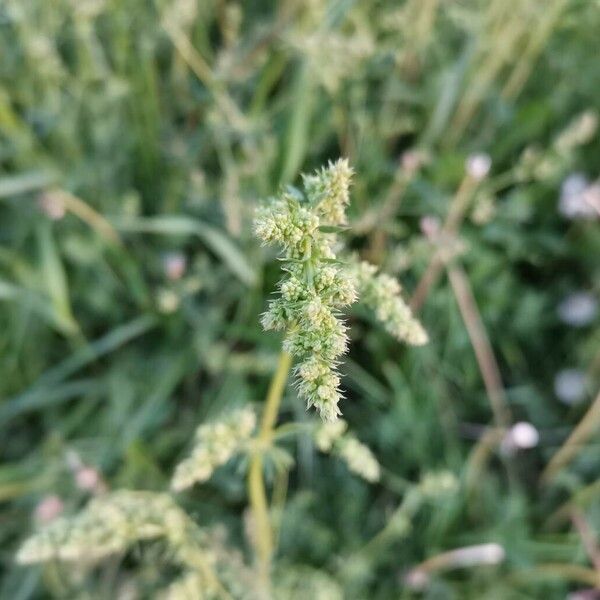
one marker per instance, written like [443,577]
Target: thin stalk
[201,69]
[88,215]
[526,63]
[575,442]
[512,27]
[486,359]
[580,500]
[588,537]
[455,217]
[397,526]
[560,571]
[479,458]
[263,530]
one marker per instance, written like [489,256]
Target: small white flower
[578,309]
[570,386]
[482,554]
[523,435]
[418,578]
[578,199]
[478,166]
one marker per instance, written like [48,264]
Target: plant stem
[263,531]
[456,215]
[486,359]
[575,442]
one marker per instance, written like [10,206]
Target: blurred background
[136,139]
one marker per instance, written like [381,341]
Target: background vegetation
[136,138]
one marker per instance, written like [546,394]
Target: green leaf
[332,229]
[55,276]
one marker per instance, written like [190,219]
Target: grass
[157,127]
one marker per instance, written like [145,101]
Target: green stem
[263,531]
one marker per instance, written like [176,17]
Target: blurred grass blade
[214,239]
[101,347]
[152,409]
[27,299]
[54,276]
[24,183]
[43,398]
[298,125]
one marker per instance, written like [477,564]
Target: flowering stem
[263,536]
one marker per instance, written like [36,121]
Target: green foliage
[136,140]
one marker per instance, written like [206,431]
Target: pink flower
[174,265]
[88,479]
[412,161]
[52,206]
[430,226]
[48,509]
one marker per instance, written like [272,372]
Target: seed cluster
[332,438]
[314,287]
[382,294]
[215,444]
[108,525]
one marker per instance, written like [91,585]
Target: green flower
[313,288]
[316,285]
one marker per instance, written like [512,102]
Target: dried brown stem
[454,219]
[480,341]
[588,538]
[579,436]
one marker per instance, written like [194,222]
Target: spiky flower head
[382,294]
[329,189]
[360,459]
[333,438]
[108,525]
[313,288]
[316,285]
[328,434]
[215,444]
